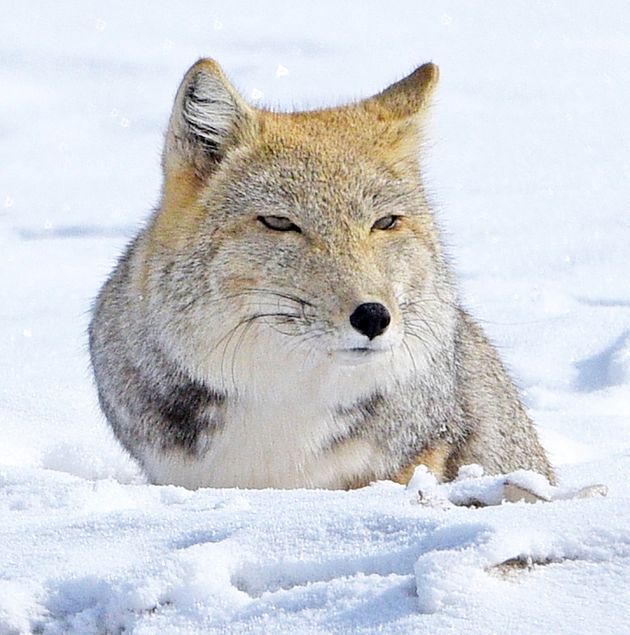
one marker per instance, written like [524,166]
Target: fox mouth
[358,354]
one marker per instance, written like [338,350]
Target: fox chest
[282,444]
[286,445]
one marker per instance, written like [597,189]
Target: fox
[288,317]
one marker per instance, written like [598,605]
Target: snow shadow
[610,367]
[78,231]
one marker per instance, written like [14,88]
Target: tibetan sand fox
[288,317]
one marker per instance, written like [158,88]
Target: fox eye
[387,222]
[279,224]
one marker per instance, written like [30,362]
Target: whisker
[249,291]
[411,357]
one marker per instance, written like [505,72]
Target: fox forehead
[285,184]
[307,163]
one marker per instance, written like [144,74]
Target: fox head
[303,235]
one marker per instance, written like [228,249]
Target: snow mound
[472,488]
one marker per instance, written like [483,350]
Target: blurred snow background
[528,164]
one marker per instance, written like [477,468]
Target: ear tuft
[208,117]
[209,111]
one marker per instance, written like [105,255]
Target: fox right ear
[208,118]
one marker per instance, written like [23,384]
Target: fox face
[297,237]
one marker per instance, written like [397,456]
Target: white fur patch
[280,449]
[210,111]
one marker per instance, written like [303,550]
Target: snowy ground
[529,165]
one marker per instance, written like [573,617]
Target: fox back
[288,318]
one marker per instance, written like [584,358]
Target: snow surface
[529,165]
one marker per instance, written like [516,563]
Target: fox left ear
[208,118]
[408,97]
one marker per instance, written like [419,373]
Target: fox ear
[401,108]
[408,97]
[208,118]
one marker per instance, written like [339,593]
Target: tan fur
[180,211]
[435,458]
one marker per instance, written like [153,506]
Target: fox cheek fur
[287,318]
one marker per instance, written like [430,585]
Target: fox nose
[371,319]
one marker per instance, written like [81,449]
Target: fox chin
[288,317]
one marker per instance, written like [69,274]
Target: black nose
[371,319]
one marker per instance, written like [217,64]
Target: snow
[527,163]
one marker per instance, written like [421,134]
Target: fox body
[288,318]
